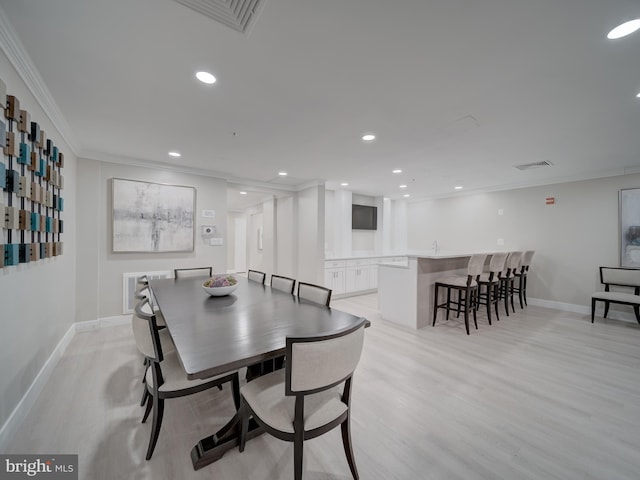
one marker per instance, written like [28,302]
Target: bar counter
[405,292]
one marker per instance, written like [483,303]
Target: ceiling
[457,92]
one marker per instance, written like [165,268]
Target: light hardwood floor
[539,395]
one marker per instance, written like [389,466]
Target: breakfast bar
[405,292]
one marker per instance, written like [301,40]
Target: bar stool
[521,275]
[467,288]
[491,282]
[507,279]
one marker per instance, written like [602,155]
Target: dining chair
[165,378]
[507,280]
[521,275]
[256,276]
[491,282]
[286,284]
[303,401]
[314,293]
[467,288]
[193,272]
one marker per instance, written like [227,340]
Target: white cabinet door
[357,279]
[373,276]
[334,279]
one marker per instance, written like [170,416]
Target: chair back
[526,259]
[193,272]
[476,265]
[511,265]
[145,329]
[285,284]
[322,362]
[314,293]
[256,276]
[496,265]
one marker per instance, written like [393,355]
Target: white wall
[311,211]
[572,238]
[255,254]
[37,300]
[286,228]
[100,291]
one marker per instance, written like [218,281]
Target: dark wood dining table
[215,335]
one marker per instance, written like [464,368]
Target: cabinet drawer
[359,262]
[334,263]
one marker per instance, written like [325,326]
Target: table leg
[213,447]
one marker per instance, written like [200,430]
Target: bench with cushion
[618,277]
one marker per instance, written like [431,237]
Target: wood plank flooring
[541,394]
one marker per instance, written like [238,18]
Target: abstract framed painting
[152,217]
[629,207]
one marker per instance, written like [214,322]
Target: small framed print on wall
[152,217]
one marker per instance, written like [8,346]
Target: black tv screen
[364,217]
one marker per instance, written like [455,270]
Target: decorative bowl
[220,285]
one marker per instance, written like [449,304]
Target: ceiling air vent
[529,166]
[233,13]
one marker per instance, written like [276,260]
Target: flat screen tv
[364,217]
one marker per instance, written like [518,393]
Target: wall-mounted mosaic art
[31,182]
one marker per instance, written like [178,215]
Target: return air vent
[129,284]
[233,13]
[529,166]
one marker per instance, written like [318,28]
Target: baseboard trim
[12,424]
[27,401]
[614,314]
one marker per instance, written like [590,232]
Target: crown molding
[12,47]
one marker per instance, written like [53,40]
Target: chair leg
[435,305]
[148,409]
[298,448]
[489,300]
[593,309]
[448,302]
[511,294]
[158,411]
[496,300]
[524,291]
[145,396]
[606,308]
[348,450]
[244,425]
[521,290]
[636,310]
[235,389]
[469,302]
[506,296]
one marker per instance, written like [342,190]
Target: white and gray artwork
[151,217]
[630,227]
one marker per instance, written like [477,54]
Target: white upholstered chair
[193,272]
[285,284]
[314,293]
[521,276]
[303,401]
[165,377]
[507,279]
[256,276]
[467,288]
[489,284]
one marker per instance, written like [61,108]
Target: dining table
[219,334]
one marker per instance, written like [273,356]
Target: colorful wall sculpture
[31,180]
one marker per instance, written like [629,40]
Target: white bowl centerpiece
[220,285]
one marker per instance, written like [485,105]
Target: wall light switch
[216,241]
[208,214]
[500,241]
[500,211]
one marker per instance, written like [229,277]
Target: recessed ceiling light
[283,174]
[397,170]
[344,184]
[406,195]
[403,186]
[175,154]
[243,193]
[369,137]
[627,28]
[458,187]
[638,95]
[206,77]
